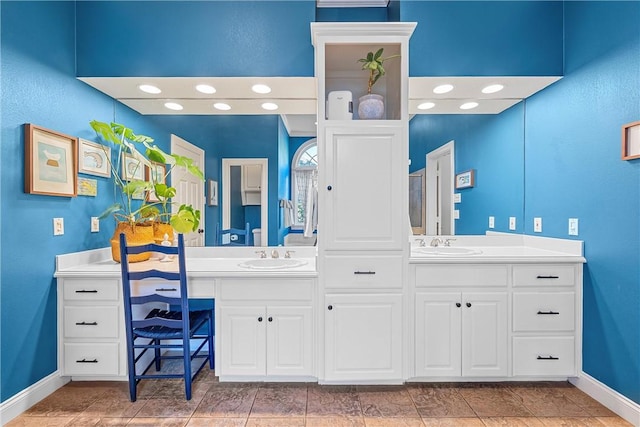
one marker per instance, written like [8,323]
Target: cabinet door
[364,188]
[251,177]
[242,340]
[289,341]
[363,337]
[484,334]
[438,330]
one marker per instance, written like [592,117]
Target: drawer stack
[90,327]
[545,321]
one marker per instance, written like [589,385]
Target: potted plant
[371,105]
[139,219]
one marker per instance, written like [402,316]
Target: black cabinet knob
[468,304]
[260,319]
[270,319]
[458,304]
[329,187]
[330,307]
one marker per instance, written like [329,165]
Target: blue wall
[572,130]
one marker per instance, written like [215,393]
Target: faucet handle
[421,242]
[263,254]
[447,242]
[288,253]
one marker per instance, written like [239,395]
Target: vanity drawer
[91,289]
[363,272]
[465,275]
[546,356]
[91,359]
[544,275]
[155,286]
[266,289]
[201,288]
[543,311]
[90,322]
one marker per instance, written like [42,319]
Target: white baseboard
[621,405]
[28,397]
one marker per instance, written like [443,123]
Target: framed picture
[50,162]
[465,179]
[631,141]
[155,174]
[94,158]
[132,169]
[87,187]
[213,193]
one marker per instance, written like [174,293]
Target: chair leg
[131,371]
[210,338]
[186,357]
[157,355]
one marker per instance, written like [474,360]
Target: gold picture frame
[50,162]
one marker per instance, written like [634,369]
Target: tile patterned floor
[161,403]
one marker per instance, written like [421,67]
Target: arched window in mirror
[304,168]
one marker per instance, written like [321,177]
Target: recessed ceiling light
[426,106]
[173,106]
[222,106]
[443,89]
[493,88]
[468,105]
[260,88]
[149,89]
[206,89]
[270,106]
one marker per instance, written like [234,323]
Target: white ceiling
[297,98]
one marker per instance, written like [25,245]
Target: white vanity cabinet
[90,328]
[265,329]
[363,204]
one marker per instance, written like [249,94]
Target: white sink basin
[446,251]
[272,263]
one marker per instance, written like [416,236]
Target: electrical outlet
[456,214]
[492,222]
[95,224]
[512,223]
[457,198]
[58,226]
[573,226]
[537,225]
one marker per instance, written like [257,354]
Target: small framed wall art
[631,141]
[132,168]
[156,175]
[50,162]
[465,179]
[213,193]
[94,159]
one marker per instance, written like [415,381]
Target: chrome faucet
[421,243]
[275,254]
[436,241]
[262,254]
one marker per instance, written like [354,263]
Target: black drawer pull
[166,290]
[364,272]
[548,312]
[468,304]
[458,304]
[270,319]
[87,361]
[548,358]
[87,323]
[330,307]
[260,319]
[84,291]
[548,277]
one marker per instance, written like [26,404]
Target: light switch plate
[537,225]
[512,223]
[492,222]
[456,214]
[457,197]
[58,226]
[95,224]
[573,226]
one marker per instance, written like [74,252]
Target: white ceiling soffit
[352,3]
[469,89]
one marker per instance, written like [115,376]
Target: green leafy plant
[373,64]
[125,141]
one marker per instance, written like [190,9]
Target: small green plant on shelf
[373,63]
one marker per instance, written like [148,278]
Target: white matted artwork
[213,193]
[94,158]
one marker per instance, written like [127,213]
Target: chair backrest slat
[167,275]
[145,299]
[157,321]
[220,233]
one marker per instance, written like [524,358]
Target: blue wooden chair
[162,329]
[223,237]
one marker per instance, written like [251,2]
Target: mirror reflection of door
[417,202]
[439,191]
